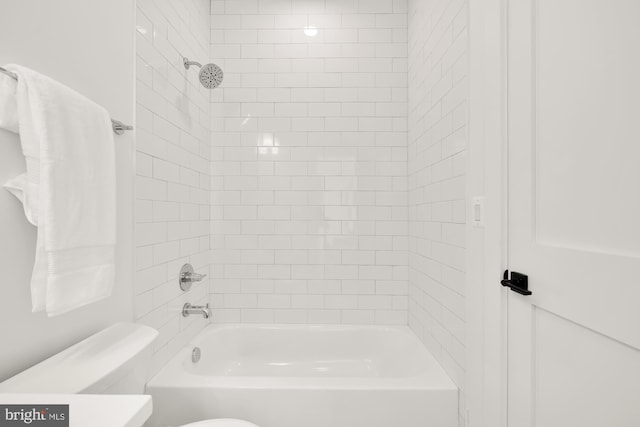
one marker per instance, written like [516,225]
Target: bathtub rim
[173,375]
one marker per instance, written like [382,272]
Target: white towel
[68,191]
[8,110]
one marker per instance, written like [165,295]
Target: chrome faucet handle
[193,277]
[187,277]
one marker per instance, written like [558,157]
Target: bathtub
[305,376]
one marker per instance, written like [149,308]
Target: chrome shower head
[210,74]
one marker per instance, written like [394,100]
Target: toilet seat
[221,422]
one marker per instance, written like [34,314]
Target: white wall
[90,50]
[438,96]
[309,159]
[172,166]
[486,250]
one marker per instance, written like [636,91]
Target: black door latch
[518,283]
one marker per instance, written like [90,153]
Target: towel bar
[118,127]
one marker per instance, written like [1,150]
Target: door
[574,212]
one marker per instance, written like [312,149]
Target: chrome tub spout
[204,310]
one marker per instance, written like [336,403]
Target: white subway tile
[310,193]
[358,20]
[254,22]
[257,315]
[436,211]
[324,316]
[290,316]
[241,6]
[307,301]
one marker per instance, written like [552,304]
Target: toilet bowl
[221,422]
[113,361]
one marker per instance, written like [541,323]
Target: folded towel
[68,191]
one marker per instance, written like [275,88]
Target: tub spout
[204,310]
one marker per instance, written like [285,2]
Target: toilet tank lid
[86,363]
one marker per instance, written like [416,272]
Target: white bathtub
[306,376]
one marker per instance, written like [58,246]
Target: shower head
[210,74]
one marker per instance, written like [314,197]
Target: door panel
[574,205]
[586,118]
[570,357]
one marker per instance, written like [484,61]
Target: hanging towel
[8,110]
[68,192]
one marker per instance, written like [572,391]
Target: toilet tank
[112,361]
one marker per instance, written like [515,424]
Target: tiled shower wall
[309,161]
[172,166]
[437,165]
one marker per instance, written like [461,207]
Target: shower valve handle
[188,276]
[193,277]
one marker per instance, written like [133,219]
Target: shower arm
[188,63]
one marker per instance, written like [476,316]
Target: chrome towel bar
[118,127]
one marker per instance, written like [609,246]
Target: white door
[574,212]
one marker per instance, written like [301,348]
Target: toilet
[113,361]
[222,422]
